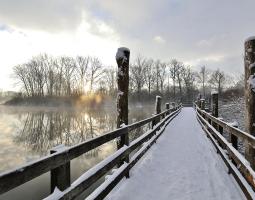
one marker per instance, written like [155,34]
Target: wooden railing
[238,166]
[59,161]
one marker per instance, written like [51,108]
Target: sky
[197,32]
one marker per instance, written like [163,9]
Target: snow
[183,164]
[234,124]
[250,38]
[233,109]
[120,93]
[123,125]
[249,50]
[110,178]
[251,81]
[214,92]
[252,65]
[120,73]
[241,158]
[55,195]
[120,53]
[20,169]
[58,148]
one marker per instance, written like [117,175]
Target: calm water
[27,134]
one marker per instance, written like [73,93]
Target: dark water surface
[27,134]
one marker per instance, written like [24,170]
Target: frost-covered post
[173,105]
[122,59]
[158,105]
[199,100]
[168,108]
[60,176]
[233,138]
[249,69]
[202,104]
[215,107]
[157,110]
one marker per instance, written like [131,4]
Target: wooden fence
[58,163]
[238,166]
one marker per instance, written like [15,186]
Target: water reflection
[42,131]
[26,135]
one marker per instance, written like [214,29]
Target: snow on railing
[236,162]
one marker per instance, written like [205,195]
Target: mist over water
[28,133]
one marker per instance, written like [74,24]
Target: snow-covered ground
[183,164]
[233,111]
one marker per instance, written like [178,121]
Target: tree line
[65,76]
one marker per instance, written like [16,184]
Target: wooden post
[209,102]
[214,105]
[157,110]
[60,176]
[158,105]
[122,59]
[249,68]
[202,104]
[168,108]
[199,100]
[173,105]
[233,138]
[220,128]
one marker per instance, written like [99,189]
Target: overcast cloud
[197,32]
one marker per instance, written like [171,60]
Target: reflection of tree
[138,115]
[44,130]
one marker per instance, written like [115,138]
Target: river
[28,133]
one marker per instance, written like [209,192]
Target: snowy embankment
[183,164]
[233,111]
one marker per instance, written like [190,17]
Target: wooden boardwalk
[183,164]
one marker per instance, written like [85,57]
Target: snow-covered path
[183,164]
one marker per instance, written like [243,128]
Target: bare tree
[69,66]
[188,77]
[20,73]
[149,74]
[82,68]
[175,73]
[137,73]
[95,71]
[50,67]
[162,75]
[173,69]
[202,77]
[110,80]
[218,79]
[157,68]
